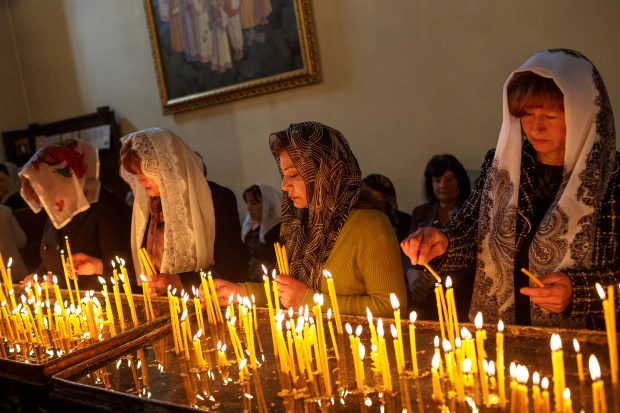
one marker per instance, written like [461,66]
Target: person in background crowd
[380,190]
[261,228]
[63,180]
[446,186]
[10,186]
[323,229]
[546,200]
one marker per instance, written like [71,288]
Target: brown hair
[529,90]
[130,159]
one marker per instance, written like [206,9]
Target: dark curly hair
[437,166]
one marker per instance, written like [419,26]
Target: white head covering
[15,184]
[186,201]
[271,200]
[565,236]
[65,177]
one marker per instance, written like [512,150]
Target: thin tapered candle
[533,278]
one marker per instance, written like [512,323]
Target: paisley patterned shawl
[332,176]
[565,236]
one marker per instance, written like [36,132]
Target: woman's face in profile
[446,187]
[148,183]
[292,183]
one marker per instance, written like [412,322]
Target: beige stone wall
[403,79]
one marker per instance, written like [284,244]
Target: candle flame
[478,320]
[567,394]
[369,315]
[522,374]
[362,351]
[435,361]
[467,365]
[576,345]
[500,326]
[143,278]
[329,314]
[101,280]
[556,342]
[413,316]
[447,347]
[491,370]
[358,331]
[448,282]
[55,279]
[184,315]
[436,341]
[394,301]
[595,369]
[601,291]
[327,274]
[394,332]
[536,378]
[544,383]
[264,269]
[513,370]
[465,333]
[347,327]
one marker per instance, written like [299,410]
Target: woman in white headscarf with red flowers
[547,200]
[63,180]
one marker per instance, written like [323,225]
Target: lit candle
[599,400]
[453,322]
[385,365]
[362,354]
[222,361]
[414,352]
[129,296]
[399,349]
[545,404]
[536,400]
[568,404]
[331,333]
[333,300]
[582,377]
[67,280]
[396,343]
[437,393]
[108,307]
[609,311]
[200,362]
[501,366]
[513,387]
[59,297]
[522,378]
[184,333]
[468,378]
[119,304]
[481,336]
[491,373]
[557,361]
[75,276]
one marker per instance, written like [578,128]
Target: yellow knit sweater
[366,266]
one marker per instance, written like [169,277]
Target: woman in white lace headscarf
[177,213]
[261,227]
[547,200]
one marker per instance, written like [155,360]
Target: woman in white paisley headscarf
[326,226]
[185,222]
[547,200]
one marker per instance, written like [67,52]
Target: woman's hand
[224,289]
[84,265]
[424,244]
[555,296]
[158,284]
[291,290]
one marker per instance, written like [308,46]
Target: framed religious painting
[213,51]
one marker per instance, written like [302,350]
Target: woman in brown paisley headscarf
[547,200]
[323,229]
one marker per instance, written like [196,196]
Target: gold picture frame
[208,52]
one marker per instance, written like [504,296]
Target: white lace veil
[186,201]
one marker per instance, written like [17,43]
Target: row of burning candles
[19,322]
[35,330]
